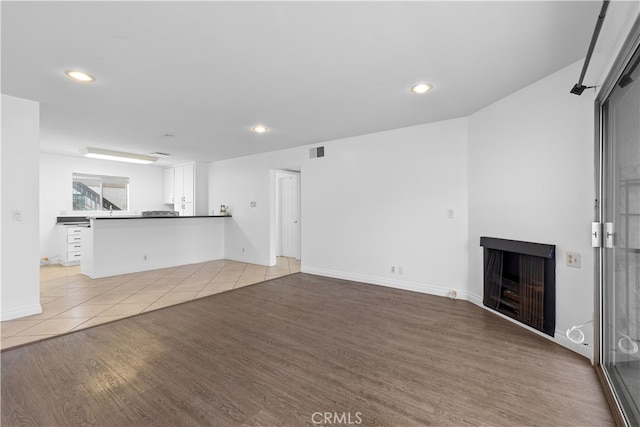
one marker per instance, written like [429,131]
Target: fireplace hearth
[520,281]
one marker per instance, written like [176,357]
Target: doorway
[288,222]
[620,255]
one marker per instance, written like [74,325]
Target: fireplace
[520,281]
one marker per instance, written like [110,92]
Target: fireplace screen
[519,281]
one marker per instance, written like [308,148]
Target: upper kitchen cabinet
[169,185]
[184,183]
[186,188]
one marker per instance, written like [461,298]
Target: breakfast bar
[122,244]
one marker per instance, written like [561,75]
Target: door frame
[631,44]
[275,215]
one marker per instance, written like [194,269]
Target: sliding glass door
[620,293]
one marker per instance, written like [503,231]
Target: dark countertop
[72,220]
[158,217]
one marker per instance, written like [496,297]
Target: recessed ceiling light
[79,76]
[260,129]
[421,88]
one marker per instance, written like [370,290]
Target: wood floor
[280,352]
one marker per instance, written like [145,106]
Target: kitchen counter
[72,220]
[115,245]
[157,217]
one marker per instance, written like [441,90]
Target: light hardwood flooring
[72,301]
[283,351]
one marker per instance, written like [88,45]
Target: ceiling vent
[316,152]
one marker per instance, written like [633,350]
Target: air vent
[159,154]
[316,152]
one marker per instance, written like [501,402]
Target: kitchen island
[128,244]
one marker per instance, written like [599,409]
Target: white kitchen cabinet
[186,187]
[184,183]
[70,244]
[169,185]
[184,209]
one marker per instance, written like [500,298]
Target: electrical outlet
[573,259]
[16,215]
[450,213]
[393,269]
[144,257]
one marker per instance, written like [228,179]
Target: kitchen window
[100,193]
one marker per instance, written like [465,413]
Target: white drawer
[73,231]
[74,247]
[74,238]
[74,256]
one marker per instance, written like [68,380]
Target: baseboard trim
[263,262]
[559,338]
[20,312]
[584,349]
[383,281]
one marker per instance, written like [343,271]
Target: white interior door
[289,216]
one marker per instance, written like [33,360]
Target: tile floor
[72,301]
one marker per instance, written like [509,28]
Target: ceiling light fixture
[260,129]
[421,88]
[97,153]
[79,76]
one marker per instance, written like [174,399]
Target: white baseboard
[383,281]
[559,338]
[17,313]
[264,262]
[66,264]
[584,349]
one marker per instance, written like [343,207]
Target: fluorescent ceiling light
[260,129]
[421,88]
[79,76]
[97,153]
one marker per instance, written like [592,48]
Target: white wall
[145,191]
[238,182]
[20,265]
[373,201]
[531,177]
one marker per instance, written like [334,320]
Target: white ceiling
[310,71]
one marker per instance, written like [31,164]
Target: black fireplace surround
[520,281]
